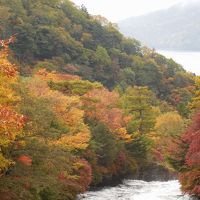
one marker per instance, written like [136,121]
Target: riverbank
[151,172]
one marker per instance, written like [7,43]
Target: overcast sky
[116,10]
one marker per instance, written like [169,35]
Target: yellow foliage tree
[11,122]
[67,109]
[196,100]
[168,128]
[169,124]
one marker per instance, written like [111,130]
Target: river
[138,190]
[188,59]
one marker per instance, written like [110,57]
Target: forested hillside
[57,36]
[88,106]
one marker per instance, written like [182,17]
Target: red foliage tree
[26,160]
[190,176]
[85,173]
[192,138]
[101,105]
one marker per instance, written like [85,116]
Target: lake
[138,190]
[189,60]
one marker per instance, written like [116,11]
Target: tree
[168,129]
[137,102]
[102,56]
[11,122]
[127,78]
[66,111]
[130,46]
[137,105]
[189,154]
[169,124]
[101,105]
[105,145]
[195,104]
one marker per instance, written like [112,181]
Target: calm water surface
[189,60]
[138,190]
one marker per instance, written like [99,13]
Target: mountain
[89,107]
[176,28]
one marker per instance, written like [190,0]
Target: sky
[116,10]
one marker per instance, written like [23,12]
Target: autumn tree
[67,110]
[195,104]
[186,160]
[168,129]
[54,138]
[101,105]
[184,153]
[11,122]
[169,124]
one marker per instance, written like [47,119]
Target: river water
[138,190]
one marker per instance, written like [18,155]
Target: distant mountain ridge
[175,28]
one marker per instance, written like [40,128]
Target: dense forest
[83,106]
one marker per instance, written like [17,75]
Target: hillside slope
[57,35]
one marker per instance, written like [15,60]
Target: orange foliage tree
[101,105]
[11,122]
[66,108]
